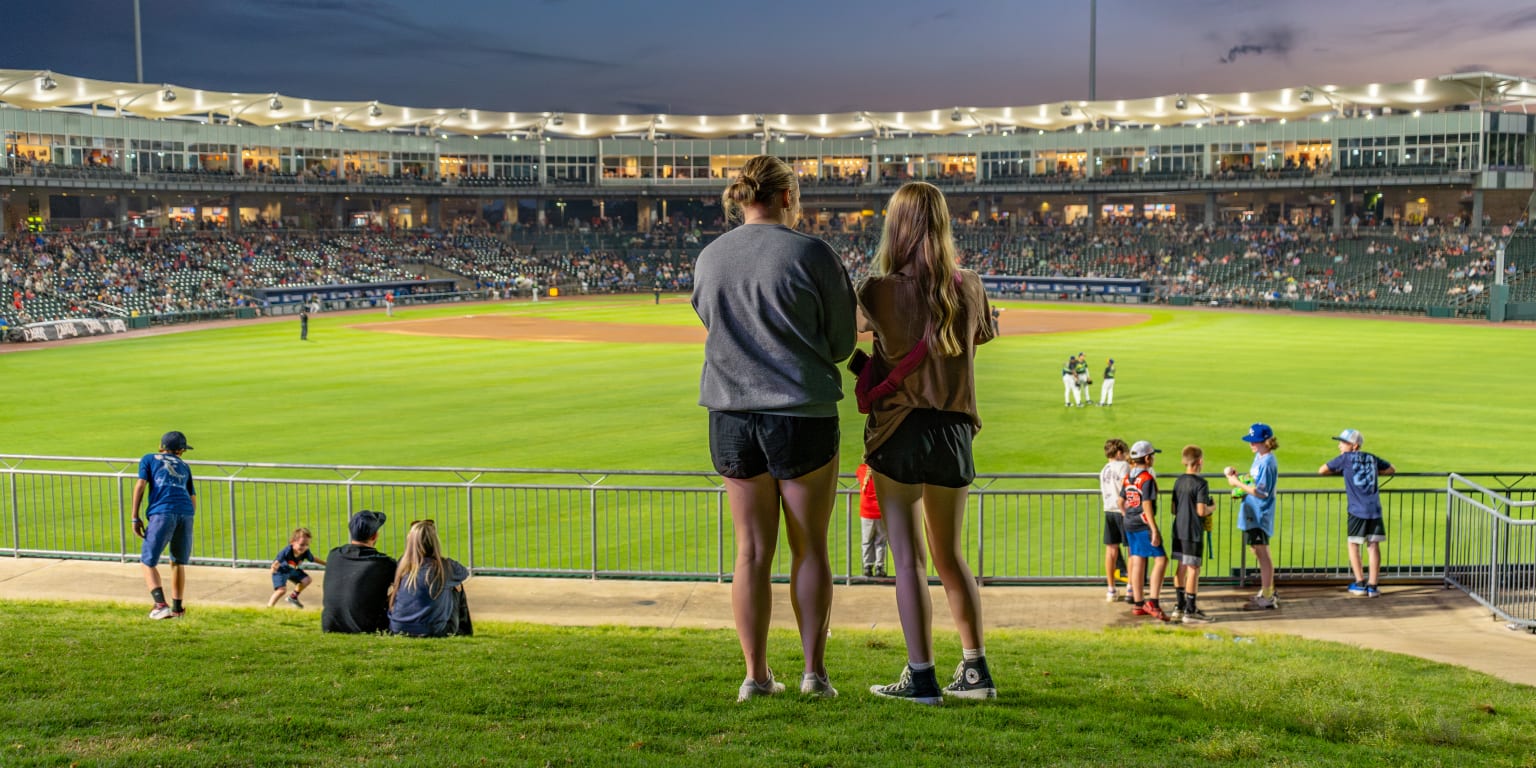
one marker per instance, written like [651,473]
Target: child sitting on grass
[289,567]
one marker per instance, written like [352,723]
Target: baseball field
[611,383]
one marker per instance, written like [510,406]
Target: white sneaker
[1261,603]
[817,685]
[161,612]
[752,689]
[1111,596]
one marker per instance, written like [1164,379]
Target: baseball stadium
[486,320]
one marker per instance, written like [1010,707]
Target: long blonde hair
[761,181]
[917,233]
[421,547]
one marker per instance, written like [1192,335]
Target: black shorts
[745,444]
[1363,530]
[1189,552]
[929,447]
[1255,537]
[1114,529]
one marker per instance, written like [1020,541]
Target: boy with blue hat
[1256,518]
[1366,526]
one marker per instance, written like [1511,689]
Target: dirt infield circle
[517,328]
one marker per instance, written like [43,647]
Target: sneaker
[293,600]
[1371,590]
[1357,589]
[1155,611]
[1141,609]
[972,681]
[817,685]
[879,571]
[1261,603]
[869,570]
[1196,616]
[916,687]
[1176,614]
[752,689]
[1111,596]
[162,611]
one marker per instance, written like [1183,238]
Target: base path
[523,328]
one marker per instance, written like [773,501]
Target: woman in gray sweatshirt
[779,311]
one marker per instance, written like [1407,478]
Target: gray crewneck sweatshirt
[779,310]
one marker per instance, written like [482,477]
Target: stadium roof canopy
[32,89]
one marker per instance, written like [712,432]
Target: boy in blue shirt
[1256,518]
[1360,471]
[167,481]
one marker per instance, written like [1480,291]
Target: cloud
[1276,41]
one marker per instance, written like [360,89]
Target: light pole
[1093,48]
[138,42]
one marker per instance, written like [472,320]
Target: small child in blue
[289,567]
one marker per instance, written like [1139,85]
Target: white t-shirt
[1111,478]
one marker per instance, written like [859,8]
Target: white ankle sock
[973,654]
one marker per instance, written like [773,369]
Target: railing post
[981,554]
[850,515]
[1493,561]
[592,513]
[234,529]
[122,522]
[469,511]
[15,520]
[1450,489]
[720,536]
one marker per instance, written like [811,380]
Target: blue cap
[1351,436]
[174,441]
[1258,433]
[365,524]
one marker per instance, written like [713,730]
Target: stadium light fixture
[558,119]
[955,115]
[374,110]
[1066,110]
[1181,104]
[858,118]
[463,114]
[1306,96]
[275,104]
[49,83]
[168,95]
[758,121]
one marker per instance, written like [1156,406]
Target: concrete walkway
[1426,621]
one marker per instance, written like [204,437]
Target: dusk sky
[796,56]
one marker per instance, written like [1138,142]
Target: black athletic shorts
[929,447]
[1362,530]
[745,444]
[1114,529]
[1189,552]
[1255,537]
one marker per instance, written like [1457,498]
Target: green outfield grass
[1430,397]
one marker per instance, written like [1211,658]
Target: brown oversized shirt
[898,314]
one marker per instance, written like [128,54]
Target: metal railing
[1020,528]
[1490,549]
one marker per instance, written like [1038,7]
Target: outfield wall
[629,524]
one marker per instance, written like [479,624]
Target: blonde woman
[779,311]
[917,440]
[427,597]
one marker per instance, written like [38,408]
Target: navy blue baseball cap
[1258,433]
[174,441]
[365,524]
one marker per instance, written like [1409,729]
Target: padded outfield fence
[1021,528]
[1491,549]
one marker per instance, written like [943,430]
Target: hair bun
[750,182]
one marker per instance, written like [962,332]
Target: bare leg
[151,577]
[1191,579]
[945,523]
[755,516]
[1159,567]
[1111,556]
[808,502]
[276,596]
[1375,554]
[1266,569]
[1354,562]
[901,505]
[1138,566]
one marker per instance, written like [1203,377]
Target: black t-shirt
[1188,491]
[357,580]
